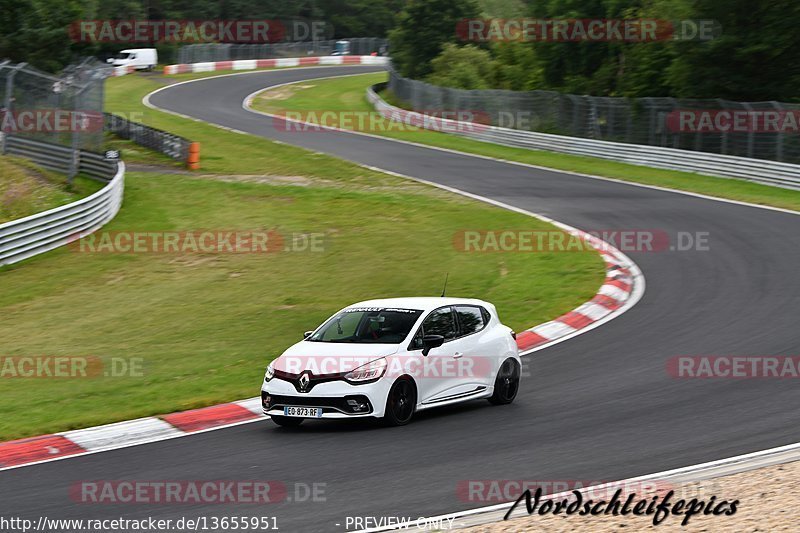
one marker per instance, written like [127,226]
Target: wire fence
[758,170]
[761,130]
[167,143]
[66,110]
[201,53]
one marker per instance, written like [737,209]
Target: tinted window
[440,322]
[470,319]
[368,325]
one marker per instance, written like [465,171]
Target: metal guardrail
[201,53]
[42,232]
[61,159]
[168,144]
[758,170]
[96,166]
[50,156]
[753,130]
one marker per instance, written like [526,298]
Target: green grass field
[26,189]
[206,325]
[347,94]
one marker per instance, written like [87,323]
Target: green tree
[35,31]
[422,30]
[517,67]
[756,58]
[465,67]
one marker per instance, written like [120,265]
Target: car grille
[313,379]
[329,405]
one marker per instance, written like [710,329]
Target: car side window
[470,319]
[416,342]
[440,322]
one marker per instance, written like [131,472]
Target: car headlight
[369,372]
[270,373]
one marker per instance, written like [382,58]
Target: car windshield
[368,325]
[122,55]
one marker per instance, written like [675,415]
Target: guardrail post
[750,132]
[676,139]
[653,127]
[595,131]
[7,105]
[779,136]
[723,146]
[75,161]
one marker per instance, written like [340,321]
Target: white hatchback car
[390,358]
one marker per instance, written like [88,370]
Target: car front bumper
[338,399]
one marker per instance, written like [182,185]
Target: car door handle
[457,355]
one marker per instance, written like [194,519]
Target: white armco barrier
[252,64]
[762,171]
[42,232]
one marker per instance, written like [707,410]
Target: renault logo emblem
[303,381]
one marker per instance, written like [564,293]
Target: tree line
[749,54]
[751,57]
[38,31]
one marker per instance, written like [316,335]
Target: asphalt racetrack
[600,406]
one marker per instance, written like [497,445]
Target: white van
[138,58]
[342,48]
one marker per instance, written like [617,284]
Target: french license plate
[305,412]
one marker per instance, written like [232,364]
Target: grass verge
[27,189]
[202,327]
[347,94]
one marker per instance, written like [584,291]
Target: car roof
[423,303]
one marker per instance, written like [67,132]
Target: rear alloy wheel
[287,421]
[400,403]
[506,384]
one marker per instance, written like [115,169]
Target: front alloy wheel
[506,384]
[401,403]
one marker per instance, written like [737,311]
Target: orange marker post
[193,161]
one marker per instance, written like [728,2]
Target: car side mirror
[307,334]
[431,341]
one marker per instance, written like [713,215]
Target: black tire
[287,421]
[506,384]
[401,402]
